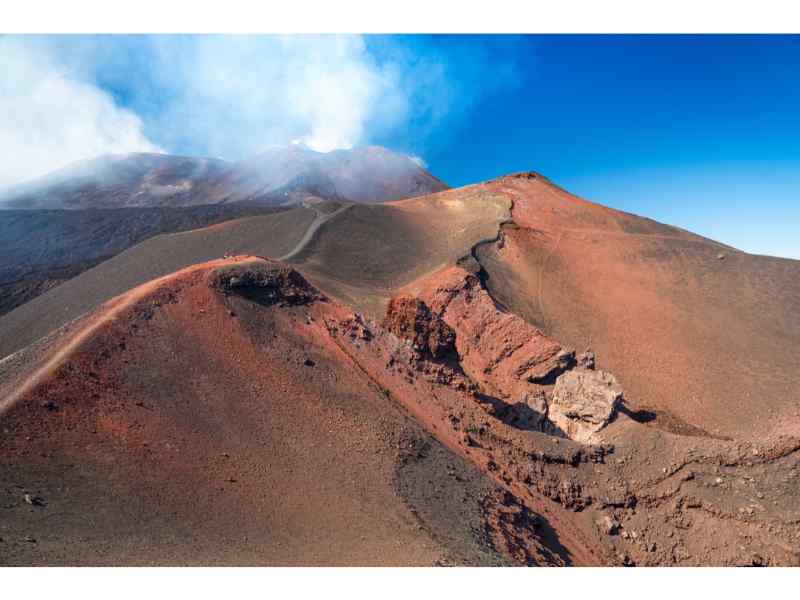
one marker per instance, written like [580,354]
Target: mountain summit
[279,176]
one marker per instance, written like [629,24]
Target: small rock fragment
[587,360]
[33,500]
[608,525]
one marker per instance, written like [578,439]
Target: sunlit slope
[691,327]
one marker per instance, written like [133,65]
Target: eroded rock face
[410,318]
[266,282]
[672,505]
[587,360]
[584,401]
[507,357]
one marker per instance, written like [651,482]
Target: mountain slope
[463,314]
[123,180]
[58,226]
[267,235]
[171,427]
[279,176]
[669,312]
[43,248]
[691,327]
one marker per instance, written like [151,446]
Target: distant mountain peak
[278,175]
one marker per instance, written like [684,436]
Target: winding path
[319,220]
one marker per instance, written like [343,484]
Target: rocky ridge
[557,435]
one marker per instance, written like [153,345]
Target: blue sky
[700,132]
[697,131]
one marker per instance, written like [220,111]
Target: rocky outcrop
[674,504]
[507,357]
[583,402]
[586,359]
[511,365]
[266,282]
[411,319]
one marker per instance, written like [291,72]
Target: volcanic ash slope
[412,388]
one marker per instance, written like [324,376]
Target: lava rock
[587,360]
[411,319]
[608,525]
[50,405]
[583,402]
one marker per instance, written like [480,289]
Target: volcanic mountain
[123,180]
[282,175]
[497,374]
[56,227]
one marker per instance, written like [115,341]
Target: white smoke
[230,96]
[243,93]
[419,161]
[50,118]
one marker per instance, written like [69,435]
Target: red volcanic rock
[411,319]
[623,284]
[202,428]
[197,438]
[506,356]
[584,401]
[150,396]
[353,327]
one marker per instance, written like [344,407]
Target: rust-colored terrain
[495,375]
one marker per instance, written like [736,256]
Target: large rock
[410,318]
[584,401]
[504,355]
[264,281]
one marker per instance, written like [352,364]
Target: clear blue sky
[702,132]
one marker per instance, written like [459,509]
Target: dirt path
[319,220]
[108,311]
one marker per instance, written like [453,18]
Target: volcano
[499,374]
[55,227]
[282,175]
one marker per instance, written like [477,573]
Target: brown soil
[170,427]
[385,401]
[699,339]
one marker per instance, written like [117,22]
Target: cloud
[63,98]
[49,117]
[419,161]
[234,95]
